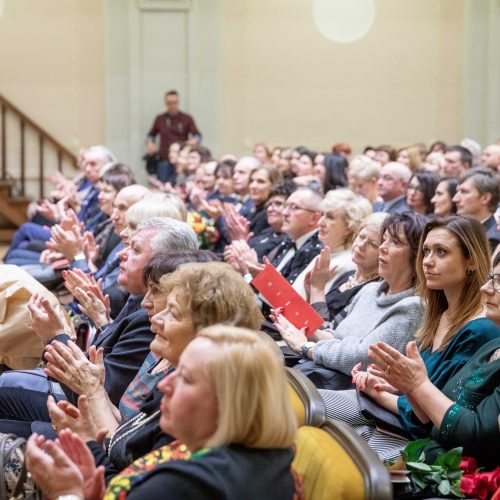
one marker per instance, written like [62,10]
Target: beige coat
[20,347]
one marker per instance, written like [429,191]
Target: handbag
[16,482]
[380,416]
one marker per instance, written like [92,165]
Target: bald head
[491,157]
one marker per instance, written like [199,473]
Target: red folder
[279,293]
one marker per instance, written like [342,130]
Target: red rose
[468,465]
[493,478]
[475,485]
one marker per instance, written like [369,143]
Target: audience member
[478,195]
[392,184]
[363,175]
[465,413]
[452,264]
[491,157]
[457,160]
[300,223]
[443,198]
[420,190]
[388,310]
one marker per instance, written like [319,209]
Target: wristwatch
[305,348]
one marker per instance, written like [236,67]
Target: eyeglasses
[293,208]
[495,280]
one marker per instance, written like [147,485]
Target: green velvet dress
[442,365]
[472,421]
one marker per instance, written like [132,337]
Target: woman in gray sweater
[386,311]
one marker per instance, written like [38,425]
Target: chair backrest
[336,464]
[306,400]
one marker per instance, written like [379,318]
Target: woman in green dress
[466,412]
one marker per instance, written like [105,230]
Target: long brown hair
[472,240]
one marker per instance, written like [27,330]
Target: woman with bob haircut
[452,264]
[230,441]
[195,296]
[387,310]
[342,212]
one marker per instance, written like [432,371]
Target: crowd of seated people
[162,370]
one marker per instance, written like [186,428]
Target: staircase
[25,150]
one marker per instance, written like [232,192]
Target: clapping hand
[69,365]
[45,320]
[406,373]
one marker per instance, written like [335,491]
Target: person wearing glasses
[301,215]
[392,184]
[420,191]
[466,411]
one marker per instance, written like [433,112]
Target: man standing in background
[172,126]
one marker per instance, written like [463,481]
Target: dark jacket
[126,344]
[303,256]
[223,473]
[492,232]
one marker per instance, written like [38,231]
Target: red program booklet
[279,293]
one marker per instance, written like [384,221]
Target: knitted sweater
[375,315]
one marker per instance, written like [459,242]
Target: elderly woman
[332,306]
[452,264]
[388,311]
[363,176]
[220,452]
[195,296]
[342,212]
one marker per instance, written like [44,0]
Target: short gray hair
[105,153]
[172,234]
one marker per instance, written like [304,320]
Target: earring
[470,271]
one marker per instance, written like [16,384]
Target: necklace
[352,282]
[134,424]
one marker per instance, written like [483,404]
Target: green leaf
[419,466]
[455,489]
[420,482]
[444,487]
[453,458]
[455,474]
[413,450]
[437,467]
[435,476]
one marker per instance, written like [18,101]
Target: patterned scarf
[121,484]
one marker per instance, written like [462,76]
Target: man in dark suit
[125,341]
[478,194]
[300,223]
[392,184]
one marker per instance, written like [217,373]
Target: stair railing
[43,138]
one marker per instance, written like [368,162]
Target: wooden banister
[43,137]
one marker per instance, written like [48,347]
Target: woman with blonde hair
[195,296]
[452,265]
[342,212]
[332,306]
[153,205]
[230,440]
